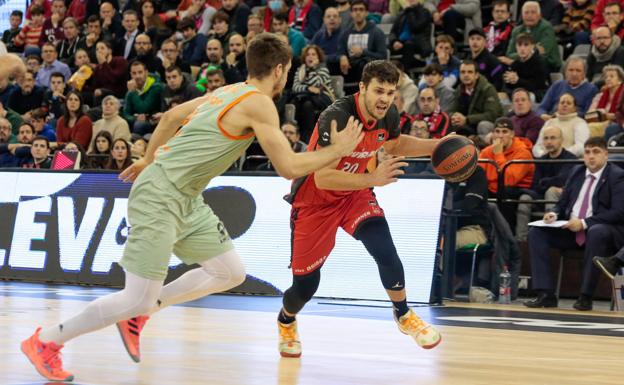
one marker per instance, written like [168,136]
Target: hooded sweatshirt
[519,175]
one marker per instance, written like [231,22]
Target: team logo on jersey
[381,136]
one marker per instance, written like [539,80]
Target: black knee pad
[301,291]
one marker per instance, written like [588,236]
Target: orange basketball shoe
[46,357]
[289,345]
[426,336]
[130,331]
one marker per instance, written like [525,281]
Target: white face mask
[275,5]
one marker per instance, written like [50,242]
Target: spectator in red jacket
[74,125]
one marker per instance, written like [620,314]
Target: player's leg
[313,238]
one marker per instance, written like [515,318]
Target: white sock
[215,275]
[138,297]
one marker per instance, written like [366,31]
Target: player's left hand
[574,224]
[131,173]
[347,139]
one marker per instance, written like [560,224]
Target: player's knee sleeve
[375,235]
[301,291]
[227,267]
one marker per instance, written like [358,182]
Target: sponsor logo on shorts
[360,219]
[313,266]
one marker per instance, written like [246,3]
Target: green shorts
[163,221]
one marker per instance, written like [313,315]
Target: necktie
[580,235]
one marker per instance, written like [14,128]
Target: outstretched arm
[406,145]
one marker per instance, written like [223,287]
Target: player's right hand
[347,139]
[388,171]
[131,173]
[550,217]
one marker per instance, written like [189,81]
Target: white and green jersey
[202,149]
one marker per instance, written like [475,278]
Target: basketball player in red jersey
[341,195]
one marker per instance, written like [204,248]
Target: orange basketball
[455,158]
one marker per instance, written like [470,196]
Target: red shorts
[314,228]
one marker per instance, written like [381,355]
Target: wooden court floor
[219,345]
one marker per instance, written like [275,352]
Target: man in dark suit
[124,44]
[593,205]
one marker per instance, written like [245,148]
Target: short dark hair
[36,57]
[57,75]
[614,4]
[433,68]
[32,128]
[36,10]
[382,70]
[41,137]
[264,53]
[174,68]
[470,62]
[17,12]
[525,38]
[500,2]
[137,62]
[281,16]
[215,71]
[38,114]
[93,19]
[596,141]
[359,2]
[130,12]
[186,23]
[220,16]
[445,39]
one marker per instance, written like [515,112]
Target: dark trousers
[454,24]
[411,48]
[600,240]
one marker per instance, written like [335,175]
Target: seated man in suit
[592,203]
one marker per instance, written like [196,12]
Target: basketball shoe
[289,345]
[426,336]
[130,331]
[46,357]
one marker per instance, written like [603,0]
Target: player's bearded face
[378,97]
[281,82]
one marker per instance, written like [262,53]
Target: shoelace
[288,333]
[52,358]
[415,323]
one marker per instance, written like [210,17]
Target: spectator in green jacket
[142,100]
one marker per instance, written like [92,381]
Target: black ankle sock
[284,318]
[400,308]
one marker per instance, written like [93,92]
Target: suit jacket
[607,202]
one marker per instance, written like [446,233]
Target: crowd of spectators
[539,84]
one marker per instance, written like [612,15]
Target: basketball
[455,158]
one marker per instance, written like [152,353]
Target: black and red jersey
[376,133]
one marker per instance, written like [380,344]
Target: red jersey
[304,191]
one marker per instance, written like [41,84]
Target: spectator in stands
[605,105]
[81,157]
[529,70]
[112,27]
[542,32]
[235,65]
[419,129]
[92,36]
[221,29]
[291,132]
[306,17]
[476,104]
[68,45]
[296,40]
[405,119]
[433,78]
[50,65]
[42,128]
[54,97]
[137,150]
[177,85]
[214,54]
[574,27]
[111,122]
[109,73]
[506,147]
[78,10]
[74,125]
[487,64]
[548,179]
[450,16]
[45,5]
[9,35]
[213,78]
[27,96]
[39,154]
[575,129]
[438,121]
[171,57]
[360,44]
[606,49]
[52,29]
[592,203]
[194,43]
[444,50]
[498,31]
[124,44]
[237,12]
[120,158]
[25,133]
[145,54]
[254,26]
[408,90]
[82,77]
[312,91]
[6,132]
[327,38]
[12,116]
[33,63]
[411,34]
[142,100]
[574,83]
[28,37]
[152,22]
[613,17]
[100,149]
[527,123]
[273,7]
